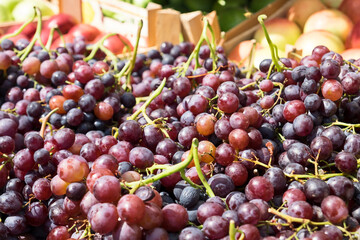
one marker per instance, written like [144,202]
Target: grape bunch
[177,143]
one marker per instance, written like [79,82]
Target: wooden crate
[159,24]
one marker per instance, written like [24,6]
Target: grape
[90,152]
[250,232]
[329,68]
[131,208]
[334,209]
[237,172]
[332,89]
[321,147]
[259,187]
[152,217]
[11,202]
[228,102]
[125,230]
[41,189]
[346,162]
[103,217]
[248,213]
[64,138]
[342,187]
[221,185]
[16,225]
[175,217]
[316,190]
[73,169]
[215,227]
[277,179]
[303,125]
[300,209]
[189,233]
[222,128]
[36,214]
[59,232]
[239,139]
[292,109]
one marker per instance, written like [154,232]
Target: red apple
[115,43]
[45,33]
[63,21]
[240,54]
[308,41]
[301,10]
[351,9]
[331,20]
[86,30]
[68,38]
[353,41]
[29,30]
[351,53]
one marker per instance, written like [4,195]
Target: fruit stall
[179,119]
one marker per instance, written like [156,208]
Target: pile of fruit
[307,24]
[22,10]
[177,143]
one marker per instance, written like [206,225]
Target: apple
[264,52]
[29,30]
[6,7]
[331,20]
[309,40]
[351,53]
[115,43]
[353,41]
[240,54]
[24,10]
[332,3]
[86,30]
[9,4]
[63,21]
[301,10]
[45,33]
[351,9]
[68,38]
[281,31]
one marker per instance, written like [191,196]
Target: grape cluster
[177,143]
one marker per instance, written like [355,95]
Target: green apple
[24,10]
[9,4]
[281,31]
[4,14]
[141,3]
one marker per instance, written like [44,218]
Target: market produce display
[175,143]
[307,24]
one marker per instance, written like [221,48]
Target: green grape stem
[202,178]
[167,172]
[132,62]
[44,122]
[273,49]
[152,96]
[17,32]
[195,53]
[24,53]
[96,47]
